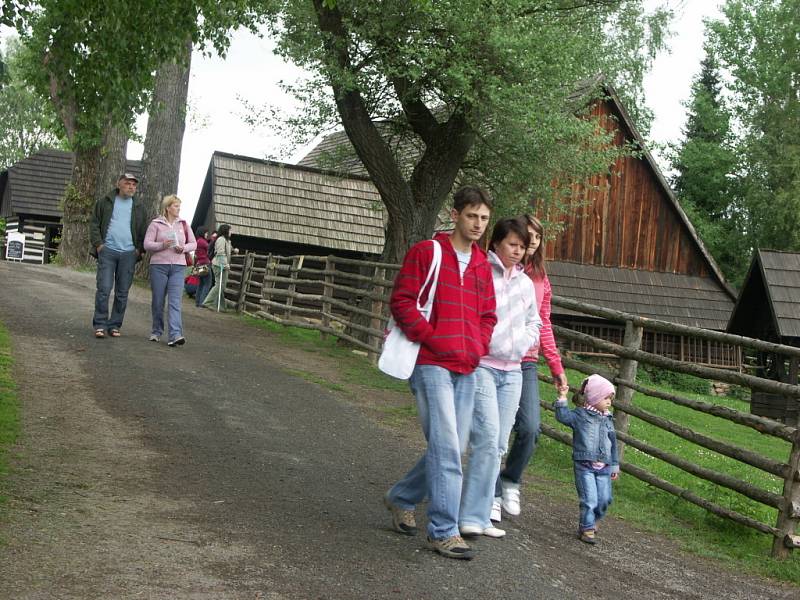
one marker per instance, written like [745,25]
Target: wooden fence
[348,298]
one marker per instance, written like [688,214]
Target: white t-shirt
[463,260]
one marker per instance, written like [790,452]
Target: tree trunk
[112,160]
[78,204]
[166,124]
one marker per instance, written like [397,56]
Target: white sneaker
[474,530]
[497,514]
[510,497]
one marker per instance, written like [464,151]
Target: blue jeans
[444,403]
[114,270]
[167,281]
[594,493]
[527,427]
[496,400]
[203,287]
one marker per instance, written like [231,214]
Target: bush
[678,381]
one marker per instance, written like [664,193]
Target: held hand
[168,243]
[560,381]
[614,476]
[178,249]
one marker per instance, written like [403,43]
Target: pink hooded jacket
[160,230]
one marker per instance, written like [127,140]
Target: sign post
[15,245]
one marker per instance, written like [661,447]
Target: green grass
[643,506]
[9,411]
[694,528]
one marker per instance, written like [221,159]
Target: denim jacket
[593,437]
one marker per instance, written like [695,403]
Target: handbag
[189,259]
[200,270]
[399,355]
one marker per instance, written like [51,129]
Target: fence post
[376,308]
[269,271]
[297,264]
[789,515]
[627,371]
[244,283]
[327,293]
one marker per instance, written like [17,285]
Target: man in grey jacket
[116,231]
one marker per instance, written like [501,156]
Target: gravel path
[211,472]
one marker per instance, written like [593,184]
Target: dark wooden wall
[626,219]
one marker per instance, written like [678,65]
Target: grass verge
[648,508]
[9,410]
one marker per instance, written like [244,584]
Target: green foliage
[100,57]
[648,374]
[27,122]
[758,44]
[495,78]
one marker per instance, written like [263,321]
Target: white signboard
[15,245]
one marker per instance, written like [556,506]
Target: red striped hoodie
[463,314]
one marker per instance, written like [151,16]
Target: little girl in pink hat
[594,449]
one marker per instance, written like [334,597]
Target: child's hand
[614,476]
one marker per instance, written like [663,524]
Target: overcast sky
[252,71]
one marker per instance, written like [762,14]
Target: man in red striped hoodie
[443,380]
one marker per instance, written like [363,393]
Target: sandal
[114,333]
[99,334]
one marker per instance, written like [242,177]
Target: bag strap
[432,279]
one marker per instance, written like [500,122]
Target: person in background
[116,230]
[221,263]
[190,282]
[169,238]
[528,420]
[201,259]
[594,449]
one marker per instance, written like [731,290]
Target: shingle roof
[278,201]
[780,272]
[36,184]
[683,299]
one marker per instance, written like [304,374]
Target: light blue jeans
[594,493]
[444,403]
[527,426]
[166,281]
[496,401]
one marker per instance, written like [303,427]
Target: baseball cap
[129,176]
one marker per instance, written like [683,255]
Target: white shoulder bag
[399,354]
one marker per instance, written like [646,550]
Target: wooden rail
[349,299]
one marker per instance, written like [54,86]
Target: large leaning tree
[99,60]
[479,90]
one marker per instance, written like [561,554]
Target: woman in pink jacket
[169,239]
[528,421]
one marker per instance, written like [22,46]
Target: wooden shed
[768,308]
[628,245]
[287,209]
[31,192]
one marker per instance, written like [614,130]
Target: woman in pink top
[528,420]
[169,239]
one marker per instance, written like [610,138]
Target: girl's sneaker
[497,512]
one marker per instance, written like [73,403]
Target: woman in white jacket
[221,264]
[498,378]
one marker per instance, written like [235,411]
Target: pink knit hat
[596,388]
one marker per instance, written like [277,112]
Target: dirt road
[210,472]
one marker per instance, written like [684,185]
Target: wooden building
[287,209]
[628,245]
[768,308]
[31,192]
